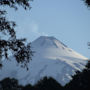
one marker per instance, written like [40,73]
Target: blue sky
[67,20]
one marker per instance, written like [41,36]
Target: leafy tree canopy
[8,40]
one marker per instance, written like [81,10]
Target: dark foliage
[18,47]
[81,81]
[10,84]
[13,3]
[87,2]
[28,87]
[48,84]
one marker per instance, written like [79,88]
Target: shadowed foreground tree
[81,81]
[48,84]
[9,44]
[10,84]
[87,2]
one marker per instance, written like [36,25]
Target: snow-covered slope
[51,58]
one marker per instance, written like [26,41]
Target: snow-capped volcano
[51,58]
[51,47]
